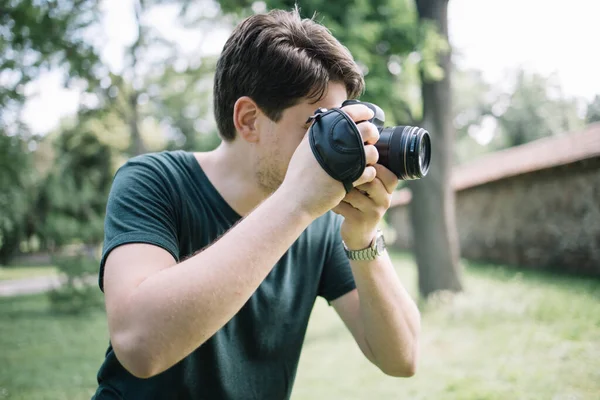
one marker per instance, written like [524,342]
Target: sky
[546,36]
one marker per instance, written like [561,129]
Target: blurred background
[500,242]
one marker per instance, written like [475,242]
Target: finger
[371,154]
[346,210]
[376,191]
[358,200]
[358,112]
[387,177]
[367,176]
[369,132]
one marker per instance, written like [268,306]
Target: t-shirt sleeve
[140,209]
[336,277]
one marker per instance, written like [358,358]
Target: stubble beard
[268,176]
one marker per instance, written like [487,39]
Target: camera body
[404,150]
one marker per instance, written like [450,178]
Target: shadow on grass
[563,281]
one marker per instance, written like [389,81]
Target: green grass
[21,272]
[48,356]
[510,335]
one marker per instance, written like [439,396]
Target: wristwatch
[375,249]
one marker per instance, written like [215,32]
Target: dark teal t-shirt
[165,199]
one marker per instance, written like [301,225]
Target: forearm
[390,318]
[174,311]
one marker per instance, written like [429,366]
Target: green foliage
[35,36]
[54,189]
[181,103]
[38,35]
[537,108]
[386,40]
[72,198]
[431,46]
[472,99]
[16,188]
[532,107]
[593,111]
[77,295]
[161,97]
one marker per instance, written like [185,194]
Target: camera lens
[421,155]
[405,150]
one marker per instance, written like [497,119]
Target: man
[212,261]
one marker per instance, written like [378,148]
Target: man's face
[280,139]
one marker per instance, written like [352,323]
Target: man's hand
[380,313]
[364,206]
[307,182]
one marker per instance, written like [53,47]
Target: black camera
[404,150]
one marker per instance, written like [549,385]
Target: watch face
[380,244]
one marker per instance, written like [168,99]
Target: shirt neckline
[201,176]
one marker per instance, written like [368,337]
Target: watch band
[369,253]
[362,255]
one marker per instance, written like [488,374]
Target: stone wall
[541,219]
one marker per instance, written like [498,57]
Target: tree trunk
[10,246]
[432,209]
[137,142]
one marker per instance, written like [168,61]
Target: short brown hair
[277,59]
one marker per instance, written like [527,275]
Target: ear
[245,115]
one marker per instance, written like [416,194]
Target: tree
[35,36]
[38,35]
[397,50]
[157,101]
[490,117]
[593,111]
[536,108]
[15,193]
[181,101]
[435,235]
[72,198]
[161,89]
[382,36]
[472,102]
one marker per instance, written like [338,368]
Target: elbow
[402,370]
[142,370]
[404,366]
[134,357]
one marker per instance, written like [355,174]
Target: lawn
[510,335]
[19,272]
